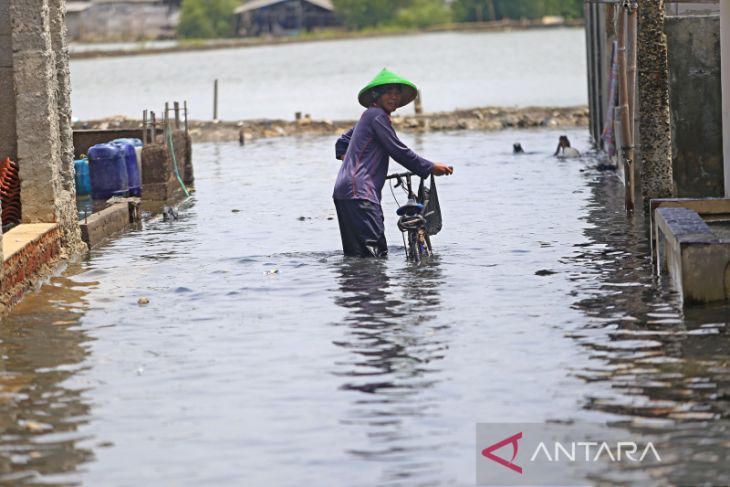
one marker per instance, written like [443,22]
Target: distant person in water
[564,149]
[364,151]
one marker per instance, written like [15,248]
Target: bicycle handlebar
[399,175]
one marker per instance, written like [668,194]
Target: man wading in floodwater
[364,151]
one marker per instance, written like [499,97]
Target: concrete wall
[8,136]
[696,104]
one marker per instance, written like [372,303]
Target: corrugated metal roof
[257,4]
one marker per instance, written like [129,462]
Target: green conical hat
[367,96]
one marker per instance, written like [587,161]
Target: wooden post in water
[177,114]
[418,106]
[185,114]
[154,127]
[215,100]
[627,145]
[144,127]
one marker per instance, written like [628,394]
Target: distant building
[284,17]
[122,20]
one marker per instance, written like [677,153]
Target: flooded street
[541,67]
[265,358]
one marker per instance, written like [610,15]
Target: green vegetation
[423,13]
[363,14]
[481,10]
[207,19]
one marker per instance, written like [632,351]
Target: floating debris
[271,272]
[235,210]
[545,272]
[142,301]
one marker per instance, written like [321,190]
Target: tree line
[214,18]
[361,14]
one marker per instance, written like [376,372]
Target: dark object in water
[606,167]
[545,272]
[241,137]
[517,148]
[169,214]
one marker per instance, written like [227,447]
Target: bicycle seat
[410,208]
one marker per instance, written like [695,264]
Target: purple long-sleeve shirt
[366,149]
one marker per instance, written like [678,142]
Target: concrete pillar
[8,135]
[725,55]
[42,103]
[37,111]
[654,118]
[66,198]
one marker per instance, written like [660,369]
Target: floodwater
[266,358]
[544,67]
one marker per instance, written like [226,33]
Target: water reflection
[660,360]
[41,407]
[392,334]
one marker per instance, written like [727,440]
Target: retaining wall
[696,104]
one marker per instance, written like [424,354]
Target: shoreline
[234,43]
[484,118]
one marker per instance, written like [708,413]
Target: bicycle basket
[429,197]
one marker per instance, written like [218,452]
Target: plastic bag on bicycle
[429,197]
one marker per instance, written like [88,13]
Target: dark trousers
[362,228]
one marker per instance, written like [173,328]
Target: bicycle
[419,218]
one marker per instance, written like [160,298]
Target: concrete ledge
[99,226]
[697,259]
[29,251]
[710,209]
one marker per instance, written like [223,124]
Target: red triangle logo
[487,452]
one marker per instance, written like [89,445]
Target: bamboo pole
[627,145]
[631,59]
